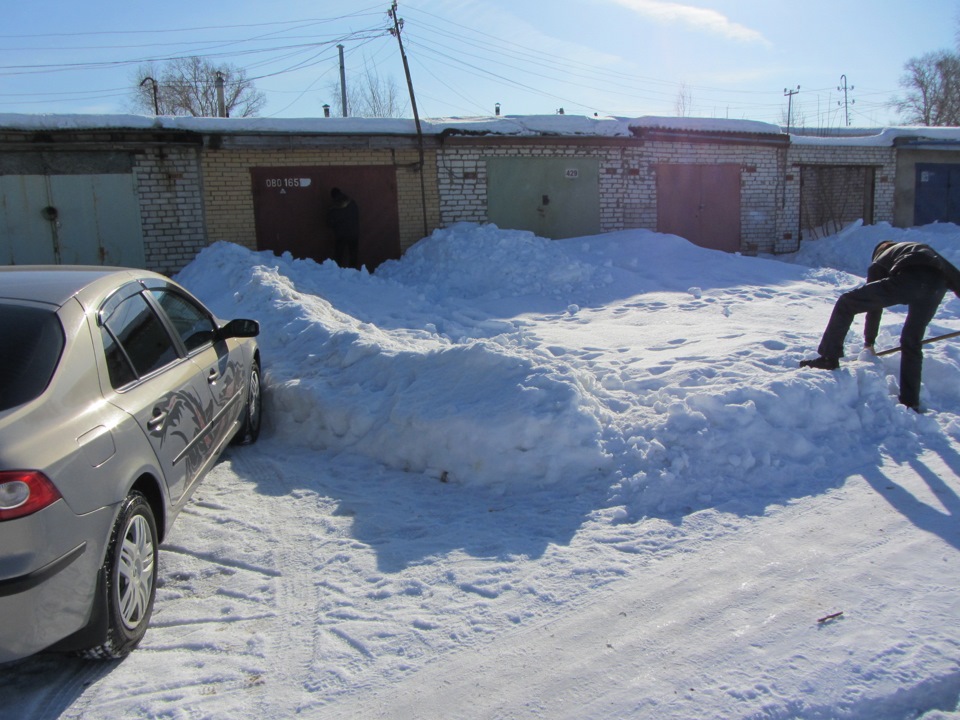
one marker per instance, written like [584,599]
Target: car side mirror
[240,328]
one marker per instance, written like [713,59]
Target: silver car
[118,391]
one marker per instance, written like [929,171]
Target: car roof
[55,284]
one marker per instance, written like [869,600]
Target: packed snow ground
[519,478]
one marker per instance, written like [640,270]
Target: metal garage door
[552,197]
[70,220]
[937,197]
[290,209]
[700,203]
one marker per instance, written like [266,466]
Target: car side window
[134,339]
[191,323]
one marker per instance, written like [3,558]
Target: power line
[218,27]
[442,49]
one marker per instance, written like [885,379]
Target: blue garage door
[937,196]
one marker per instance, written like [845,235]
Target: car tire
[130,569]
[253,412]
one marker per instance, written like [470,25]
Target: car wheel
[253,413]
[131,573]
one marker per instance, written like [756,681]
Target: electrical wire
[443,50]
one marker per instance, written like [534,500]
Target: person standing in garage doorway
[344,219]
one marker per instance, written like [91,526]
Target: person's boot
[913,406]
[821,363]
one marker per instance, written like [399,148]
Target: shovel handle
[898,348]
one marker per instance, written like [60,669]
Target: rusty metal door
[290,210]
[700,203]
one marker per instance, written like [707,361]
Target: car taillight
[23,492]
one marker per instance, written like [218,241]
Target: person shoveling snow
[904,273]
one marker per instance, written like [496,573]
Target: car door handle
[213,376]
[155,423]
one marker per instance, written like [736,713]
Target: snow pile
[472,409]
[852,247]
[686,394]
[457,262]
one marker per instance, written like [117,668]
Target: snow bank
[473,410]
[455,362]
[851,248]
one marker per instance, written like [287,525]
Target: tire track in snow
[637,648]
[290,533]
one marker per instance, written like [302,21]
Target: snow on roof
[507,125]
[884,138]
[711,125]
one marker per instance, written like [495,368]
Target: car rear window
[31,348]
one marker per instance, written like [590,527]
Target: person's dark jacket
[344,219]
[897,258]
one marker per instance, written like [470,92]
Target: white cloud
[697,18]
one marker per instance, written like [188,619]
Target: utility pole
[397,26]
[789,94]
[343,82]
[846,112]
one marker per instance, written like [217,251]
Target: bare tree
[370,95]
[683,104]
[188,86]
[793,117]
[932,85]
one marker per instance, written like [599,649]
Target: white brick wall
[171,207]
[769,181]
[628,186]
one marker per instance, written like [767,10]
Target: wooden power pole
[397,26]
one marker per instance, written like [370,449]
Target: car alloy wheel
[136,572]
[131,577]
[253,413]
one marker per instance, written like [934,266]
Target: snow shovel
[925,342]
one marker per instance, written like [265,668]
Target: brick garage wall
[833,196]
[174,192]
[462,183]
[462,175]
[229,194]
[760,185]
[171,206]
[628,184]
[799,156]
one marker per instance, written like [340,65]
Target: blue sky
[729,58]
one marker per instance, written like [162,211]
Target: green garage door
[70,220]
[553,197]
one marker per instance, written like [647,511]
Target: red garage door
[700,203]
[291,203]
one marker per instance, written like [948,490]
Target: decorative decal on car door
[200,425]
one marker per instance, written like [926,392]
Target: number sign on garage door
[291,204]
